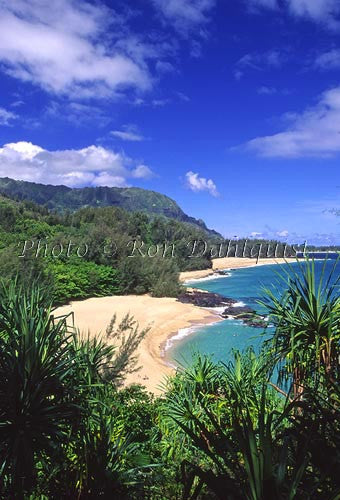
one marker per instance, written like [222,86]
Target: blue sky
[230,107]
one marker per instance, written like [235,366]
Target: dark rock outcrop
[248,315]
[208,299]
[205,299]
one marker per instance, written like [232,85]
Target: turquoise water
[246,285]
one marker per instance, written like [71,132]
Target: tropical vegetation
[104,251]
[95,251]
[263,426]
[63,199]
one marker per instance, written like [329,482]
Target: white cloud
[159,103]
[264,90]
[320,11]
[80,49]
[258,61]
[267,90]
[328,60]
[271,233]
[68,47]
[78,113]
[164,67]
[185,15]
[238,74]
[91,166]
[127,136]
[314,132]
[283,233]
[197,183]
[183,97]
[129,133]
[272,58]
[17,104]
[6,117]
[142,172]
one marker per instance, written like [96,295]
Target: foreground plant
[34,366]
[307,323]
[237,428]
[59,433]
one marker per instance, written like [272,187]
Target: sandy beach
[230,263]
[164,316]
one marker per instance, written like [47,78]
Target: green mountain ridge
[62,198]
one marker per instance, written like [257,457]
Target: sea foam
[207,278]
[239,304]
[181,334]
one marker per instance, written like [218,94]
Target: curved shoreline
[226,263]
[175,336]
[164,316]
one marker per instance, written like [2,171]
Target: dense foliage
[62,427]
[105,251]
[96,251]
[262,427]
[62,198]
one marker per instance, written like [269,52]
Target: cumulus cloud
[197,183]
[283,233]
[7,117]
[142,172]
[293,237]
[314,132]
[185,15]
[65,47]
[91,166]
[271,233]
[80,49]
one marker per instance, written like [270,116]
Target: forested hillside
[62,199]
[95,251]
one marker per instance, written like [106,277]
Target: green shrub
[80,279]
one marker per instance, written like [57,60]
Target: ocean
[219,339]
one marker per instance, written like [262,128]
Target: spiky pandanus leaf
[243,445]
[306,317]
[33,367]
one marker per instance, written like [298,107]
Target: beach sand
[164,317]
[230,263]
